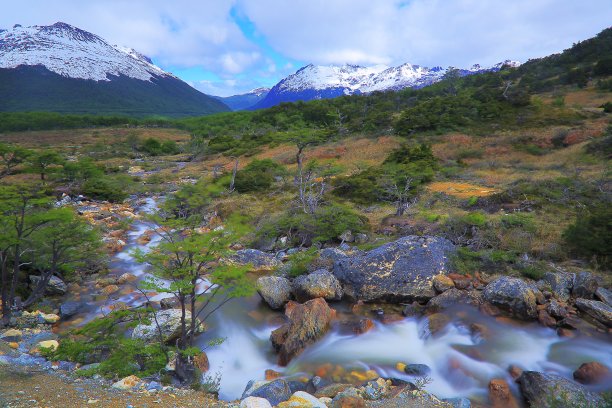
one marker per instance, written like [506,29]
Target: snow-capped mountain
[65,57]
[246,100]
[330,81]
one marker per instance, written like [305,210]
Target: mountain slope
[62,68]
[322,82]
[244,101]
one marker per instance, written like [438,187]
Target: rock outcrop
[549,391]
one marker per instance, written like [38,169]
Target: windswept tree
[43,162]
[10,157]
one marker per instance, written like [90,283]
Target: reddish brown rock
[201,362]
[363,326]
[563,332]
[272,375]
[500,395]
[308,322]
[592,373]
[545,319]
[348,401]
[515,371]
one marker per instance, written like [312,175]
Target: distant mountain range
[62,68]
[246,100]
[330,81]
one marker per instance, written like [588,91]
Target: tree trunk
[231,189]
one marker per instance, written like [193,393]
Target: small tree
[41,162]
[10,157]
[182,265]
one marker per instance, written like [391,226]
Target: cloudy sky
[224,47]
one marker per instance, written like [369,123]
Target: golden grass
[460,190]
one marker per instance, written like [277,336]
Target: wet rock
[308,322]
[398,271]
[500,395]
[512,295]
[550,391]
[442,283]
[604,295]
[545,319]
[585,285]
[275,391]
[301,399]
[69,309]
[11,335]
[413,309]
[127,383]
[556,310]
[348,401]
[169,324]
[255,402]
[110,289]
[592,373]
[363,326]
[437,322]
[260,261]
[560,283]
[55,286]
[270,375]
[274,290]
[408,398]
[126,278]
[375,390]
[332,390]
[320,283]
[417,370]
[596,309]
[453,297]
[515,371]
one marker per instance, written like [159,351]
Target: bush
[591,235]
[258,175]
[154,147]
[299,262]
[114,189]
[325,225]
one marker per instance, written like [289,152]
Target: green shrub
[258,175]
[533,271]
[299,262]
[154,147]
[476,219]
[518,220]
[114,189]
[590,236]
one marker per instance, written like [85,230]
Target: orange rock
[272,375]
[110,289]
[500,395]
[592,373]
[201,362]
[515,371]
[364,326]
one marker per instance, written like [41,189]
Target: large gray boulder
[69,309]
[604,295]
[596,309]
[514,296]
[275,391]
[275,290]
[320,283]
[55,286]
[453,297]
[549,391]
[398,271]
[259,261]
[169,322]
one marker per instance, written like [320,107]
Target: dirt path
[38,389]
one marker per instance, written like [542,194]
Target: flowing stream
[462,363]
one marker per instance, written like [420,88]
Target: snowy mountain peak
[73,53]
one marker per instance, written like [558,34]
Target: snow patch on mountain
[73,53]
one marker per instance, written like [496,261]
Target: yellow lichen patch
[461,190]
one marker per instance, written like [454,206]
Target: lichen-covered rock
[442,283]
[274,290]
[560,283]
[259,261]
[127,383]
[402,270]
[308,322]
[301,399]
[320,283]
[512,295]
[548,391]
[596,309]
[169,322]
[255,402]
[585,285]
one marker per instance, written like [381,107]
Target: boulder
[47,344]
[452,297]
[169,323]
[560,283]
[259,261]
[69,309]
[332,255]
[500,395]
[596,309]
[308,322]
[274,290]
[604,295]
[549,391]
[55,286]
[417,370]
[402,270]
[301,399]
[170,303]
[556,310]
[442,283]
[545,319]
[255,402]
[585,285]
[275,391]
[512,295]
[592,373]
[11,335]
[320,283]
